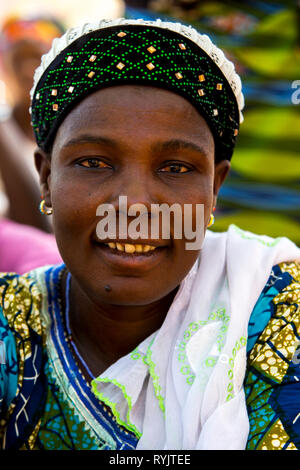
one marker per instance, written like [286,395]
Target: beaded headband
[165,55]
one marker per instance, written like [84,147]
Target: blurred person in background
[23,241]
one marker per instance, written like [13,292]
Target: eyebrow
[176,145]
[89,139]
[173,145]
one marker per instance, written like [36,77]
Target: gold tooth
[112,245]
[146,248]
[120,247]
[139,248]
[129,248]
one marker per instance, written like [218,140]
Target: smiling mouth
[131,257]
[130,248]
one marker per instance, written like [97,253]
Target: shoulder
[19,320]
[23,326]
[272,382]
[24,300]
[20,302]
[280,293]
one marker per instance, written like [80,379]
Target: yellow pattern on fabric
[275,438]
[273,358]
[292,268]
[31,442]
[291,446]
[20,300]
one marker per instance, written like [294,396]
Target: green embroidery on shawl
[239,343]
[147,359]
[135,354]
[210,361]
[128,425]
[155,379]
[258,238]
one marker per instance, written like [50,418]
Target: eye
[93,163]
[175,168]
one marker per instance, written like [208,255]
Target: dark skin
[153,146]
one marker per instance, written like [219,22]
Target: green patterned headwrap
[164,55]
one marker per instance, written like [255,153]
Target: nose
[132,199]
[137,188]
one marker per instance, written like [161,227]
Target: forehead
[135,112]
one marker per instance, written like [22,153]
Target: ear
[221,171]
[43,165]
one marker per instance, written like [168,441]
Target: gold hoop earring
[43,210]
[211,220]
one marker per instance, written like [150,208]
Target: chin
[133,292]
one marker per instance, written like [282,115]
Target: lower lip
[134,261]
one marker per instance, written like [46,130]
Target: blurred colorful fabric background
[262,193]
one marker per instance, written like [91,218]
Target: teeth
[130,248]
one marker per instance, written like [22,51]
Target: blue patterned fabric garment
[46,403]
[272,383]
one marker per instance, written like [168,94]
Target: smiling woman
[139,342]
[135,145]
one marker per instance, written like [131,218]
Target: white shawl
[182,388]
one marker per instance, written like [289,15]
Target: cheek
[200,192]
[74,210]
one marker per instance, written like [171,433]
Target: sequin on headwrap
[135,54]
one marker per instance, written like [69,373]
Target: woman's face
[145,143]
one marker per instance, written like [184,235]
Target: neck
[104,333]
